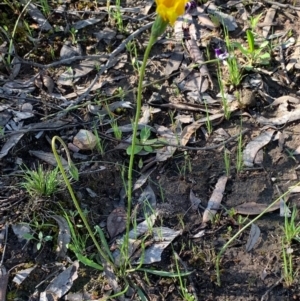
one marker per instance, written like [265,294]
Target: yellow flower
[170,10]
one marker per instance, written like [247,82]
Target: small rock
[85,140]
[247,98]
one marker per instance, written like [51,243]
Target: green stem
[243,229]
[82,216]
[135,128]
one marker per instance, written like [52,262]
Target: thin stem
[133,143]
[82,216]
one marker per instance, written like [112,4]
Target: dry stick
[64,61]
[282,5]
[5,243]
[265,295]
[106,67]
[4,275]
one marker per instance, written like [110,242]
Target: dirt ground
[195,166]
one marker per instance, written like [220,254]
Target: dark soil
[245,276]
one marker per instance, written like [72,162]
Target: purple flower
[220,54]
[190,6]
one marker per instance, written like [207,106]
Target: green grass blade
[104,242]
[166,274]
[250,39]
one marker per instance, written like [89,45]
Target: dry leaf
[195,202]
[49,158]
[61,284]
[162,154]
[223,18]
[162,236]
[37,16]
[253,208]
[174,62]
[215,200]
[48,83]
[253,237]
[147,201]
[90,21]
[11,142]
[66,78]
[255,145]
[188,131]
[22,275]
[201,233]
[64,236]
[282,118]
[116,222]
[269,20]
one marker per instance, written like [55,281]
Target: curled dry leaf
[48,83]
[133,235]
[285,99]
[255,145]
[215,200]
[84,68]
[166,152]
[22,275]
[281,119]
[188,131]
[162,236]
[66,78]
[147,201]
[64,236]
[199,234]
[284,209]
[116,222]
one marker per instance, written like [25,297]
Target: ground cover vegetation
[149,151]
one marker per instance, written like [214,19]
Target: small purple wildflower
[220,54]
[190,6]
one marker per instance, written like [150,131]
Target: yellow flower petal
[170,10]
